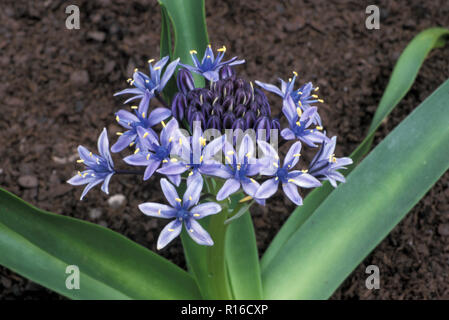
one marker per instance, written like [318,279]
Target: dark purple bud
[263,123]
[240,96]
[228,103]
[228,88]
[228,120]
[239,110]
[206,108]
[217,110]
[250,119]
[185,81]
[275,124]
[198,116]
[178,106]
[227,72]
[239,124]
[214,122]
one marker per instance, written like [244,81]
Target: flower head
[182,211]
[154,83]
[155,150]
[139,119]
[300,124]
[210,66]
[303,97]
[238,171]
[99,168]
[195,155]
[324,165]
[290,179]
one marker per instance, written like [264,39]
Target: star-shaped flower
[100,168]
[324,165]
[210,66]
[183,211]
[290,179]
[154,83]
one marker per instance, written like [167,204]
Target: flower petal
[230,186]
[157,210]
[205,209]
[198,234]
[171,231]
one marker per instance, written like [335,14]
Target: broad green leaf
[188,18]
[401,80]
[243,260]
[361,212]
[40,245]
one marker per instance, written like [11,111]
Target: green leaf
[401,80]
[361,212]
[242,259]
[40,245]
[188,18]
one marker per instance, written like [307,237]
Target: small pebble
[28,181]
[116,201]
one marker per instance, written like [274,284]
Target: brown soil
[57,86]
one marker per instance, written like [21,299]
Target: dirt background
[56,87]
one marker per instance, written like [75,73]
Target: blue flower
[139,119]
[299,124]
[155,151]
[100,168]
[153,84]
[290,179]
[182,211]
[195,155]
[303,97]
[210,66]
[239,168]
[324,165]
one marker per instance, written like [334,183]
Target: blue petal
[171,231]
[157,210]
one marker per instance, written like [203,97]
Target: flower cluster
[223,131]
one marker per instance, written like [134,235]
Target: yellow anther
[150,61]
[222,49]
[137,150]
[178,200]
[247,198]
[193,52]
[145,134]
[163,123]
[134,107]
[299,111]
[196,215]
[319,128]
[80,161]
[295,73]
